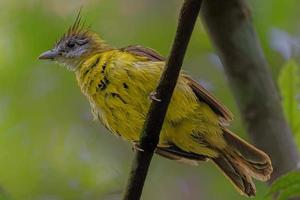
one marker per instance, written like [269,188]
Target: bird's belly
[125,117]
[119,114]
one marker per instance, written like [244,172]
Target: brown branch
[230,28]
[155,118]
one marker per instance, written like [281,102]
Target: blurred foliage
[50,147]
[289,84]
[286,186]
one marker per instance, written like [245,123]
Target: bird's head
[77,44]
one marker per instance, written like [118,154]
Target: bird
[119,85]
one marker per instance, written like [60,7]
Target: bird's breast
[114,99]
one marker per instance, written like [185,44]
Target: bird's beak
[48,55]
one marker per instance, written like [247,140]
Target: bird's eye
[71,44]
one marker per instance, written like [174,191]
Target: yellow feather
[123,103]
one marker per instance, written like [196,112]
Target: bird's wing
[202,94]
[145,52]
[205,96]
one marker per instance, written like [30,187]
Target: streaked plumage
[117,83]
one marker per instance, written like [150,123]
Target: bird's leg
[153,97]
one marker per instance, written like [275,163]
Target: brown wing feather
[201,92]
[205,96]
[143,51]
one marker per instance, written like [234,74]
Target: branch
[155,118]
[230,28]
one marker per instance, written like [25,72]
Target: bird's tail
[241,162]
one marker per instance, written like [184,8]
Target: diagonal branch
[229,26]
[155,118]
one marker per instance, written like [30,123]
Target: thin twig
[154,121]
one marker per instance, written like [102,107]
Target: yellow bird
[118,82]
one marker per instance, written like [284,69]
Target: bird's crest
[77,28]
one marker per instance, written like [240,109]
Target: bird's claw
[153,97]
[136,147]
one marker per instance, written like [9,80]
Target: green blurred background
[50,149]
